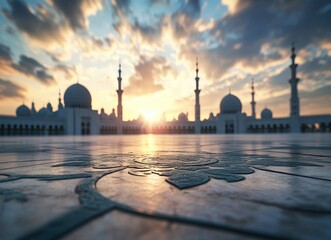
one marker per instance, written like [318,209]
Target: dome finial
[197,66]
[293,54]
[119,68]
[60,96]
[229,90]
[77,77]
[252,85]
[293,50]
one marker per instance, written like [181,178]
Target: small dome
[77,96]
[140,118]
[23,111]
[112,116]
[230,104]
[211,117]
[43,112]
[182,117]
[103,115]
[266,113]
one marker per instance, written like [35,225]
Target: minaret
[197,92]
[197,99]
[60,105]
[119,93]
[294,101]
[253,103]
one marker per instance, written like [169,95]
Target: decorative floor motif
[216,190]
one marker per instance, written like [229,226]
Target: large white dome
[77,96]
[230,104]
[23,111]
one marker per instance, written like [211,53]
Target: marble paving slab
[166,187]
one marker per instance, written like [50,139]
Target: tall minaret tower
[253,103]
[294,101]
[197,99]
[119,93]
[197,92]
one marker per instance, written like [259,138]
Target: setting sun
[150,116]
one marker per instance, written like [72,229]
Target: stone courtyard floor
[166,187]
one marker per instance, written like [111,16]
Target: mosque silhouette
[76,116]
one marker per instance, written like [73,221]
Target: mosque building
[76,116]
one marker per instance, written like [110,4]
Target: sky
[46,46]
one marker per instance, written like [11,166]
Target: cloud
[140,33]
[26,65]
[10,30]
[240,37]
[122,5]
[319,92]
[91,46]
[183,19]
[147,74]
[5,53]
[68,71]
[10,90]
[151,34]
[191,8]
[57,56]
[39,24]
[31,67]
[54,28]
[313,73]
[159,2]
[320,64]
[6,60]
[76,12]
[231,4]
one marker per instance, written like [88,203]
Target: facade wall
[79,121]
[273,125]
[174,127]
[88,122]
[318,123]
[208,127]
[231,123]
[21,126]
[107,126]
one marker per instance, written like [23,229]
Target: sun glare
[150,116]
